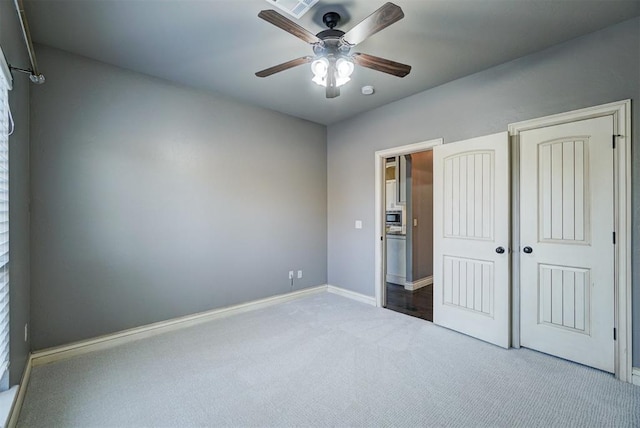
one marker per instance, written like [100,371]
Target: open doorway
[409,234]
[405,258]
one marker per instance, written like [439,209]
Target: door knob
[528,250]
[500,250]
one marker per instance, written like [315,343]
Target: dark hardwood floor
[417,303]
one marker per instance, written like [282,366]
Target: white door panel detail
[564,297]
[468,195]
[471,237]
[563,183]
[468,284]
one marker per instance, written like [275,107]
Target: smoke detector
[368,90]
[295,8]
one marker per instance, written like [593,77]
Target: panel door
[471,237]
[567,258]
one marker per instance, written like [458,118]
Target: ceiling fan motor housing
[332,44]
[331,19]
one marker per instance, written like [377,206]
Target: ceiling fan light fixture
[334,62]
[341,80]
[344,68]
[319,67]
[320,81]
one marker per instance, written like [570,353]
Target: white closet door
[567,259]
[471,237]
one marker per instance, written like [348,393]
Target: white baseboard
[12,420]
[110,340]
[369,300]
[635,376]
[395,279]
[423,282]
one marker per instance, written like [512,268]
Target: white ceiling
[218,45]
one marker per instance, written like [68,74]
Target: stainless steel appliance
[393,218]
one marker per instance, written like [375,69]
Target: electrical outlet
[26,332]
[290,274]
[299,274]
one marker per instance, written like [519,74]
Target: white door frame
[380,157]
[621,112]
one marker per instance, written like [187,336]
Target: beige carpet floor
[327,361]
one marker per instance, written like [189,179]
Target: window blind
[4,224]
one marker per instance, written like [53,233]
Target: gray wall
[152,201]
[422,210]
[596,69]
[16,54]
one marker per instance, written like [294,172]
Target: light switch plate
[358,224]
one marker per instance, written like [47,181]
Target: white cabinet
[396,259]
[390,195]
[401,176]
[396,175]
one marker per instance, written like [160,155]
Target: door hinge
[613,140]
[614,238]
[614,334]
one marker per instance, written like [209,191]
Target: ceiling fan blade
[378,20]
[289,26]
[284,66]
[381,64]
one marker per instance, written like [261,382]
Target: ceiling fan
[333,61]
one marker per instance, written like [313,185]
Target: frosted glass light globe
[345,67]
[319,67]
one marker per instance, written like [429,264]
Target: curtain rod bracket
[38,79]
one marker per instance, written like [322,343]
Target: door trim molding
[379,158]
[621,112]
